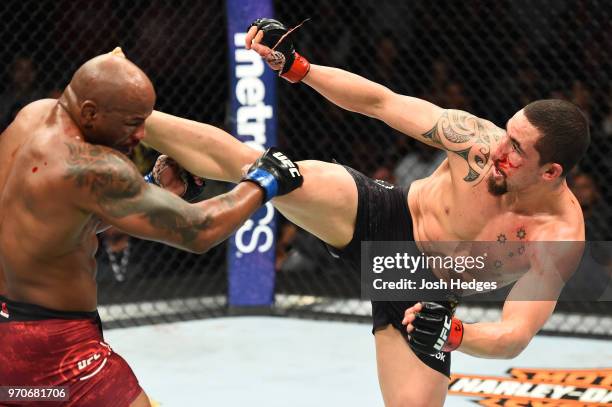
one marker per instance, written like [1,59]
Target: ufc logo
[444,334]
[288,163]
[82,364]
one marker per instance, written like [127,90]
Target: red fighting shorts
[46,348]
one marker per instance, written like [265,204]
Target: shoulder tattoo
[107,175]
[468,137]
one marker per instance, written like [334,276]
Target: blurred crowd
[487,59]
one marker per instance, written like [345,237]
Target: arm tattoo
[118,188]
[468,137]
[187,223]
[107,174]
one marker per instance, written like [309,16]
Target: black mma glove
[435,329]
[292,66]
[275,174]
[193,186]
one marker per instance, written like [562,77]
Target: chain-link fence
[489,58]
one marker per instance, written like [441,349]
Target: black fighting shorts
[383,215]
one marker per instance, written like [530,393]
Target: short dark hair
[564,130]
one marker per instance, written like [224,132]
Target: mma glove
[193,190]
[275,174]
[291,65]
[435,328]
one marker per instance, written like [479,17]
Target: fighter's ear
[553,171]
[89,112]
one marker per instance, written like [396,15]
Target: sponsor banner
[252,111]
[537,388]
[486,270]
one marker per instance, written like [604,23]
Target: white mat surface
[265,361]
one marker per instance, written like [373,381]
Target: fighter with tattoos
[496,185]
[63,176]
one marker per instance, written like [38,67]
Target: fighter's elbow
[514,344]
[208,239]
[201,246]
[513,351]
[379,103]
[199,249]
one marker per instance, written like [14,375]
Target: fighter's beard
[495,188]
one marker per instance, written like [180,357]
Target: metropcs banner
[251,252]
[537,388]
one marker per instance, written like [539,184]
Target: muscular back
[46,243]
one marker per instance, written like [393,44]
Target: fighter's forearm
[203,150]
[225,213]
[345,89]
[494,340]
[409,115]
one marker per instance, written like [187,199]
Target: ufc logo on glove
[287,163]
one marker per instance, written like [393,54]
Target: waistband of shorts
[22,311]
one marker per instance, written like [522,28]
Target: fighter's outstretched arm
[454,131]
[409,115]
[467,138]
[412,116]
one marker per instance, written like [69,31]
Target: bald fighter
[496,185]
[63,176]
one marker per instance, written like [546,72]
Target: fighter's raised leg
[200,148]
[325,205]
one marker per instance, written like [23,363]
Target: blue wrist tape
[266,181]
